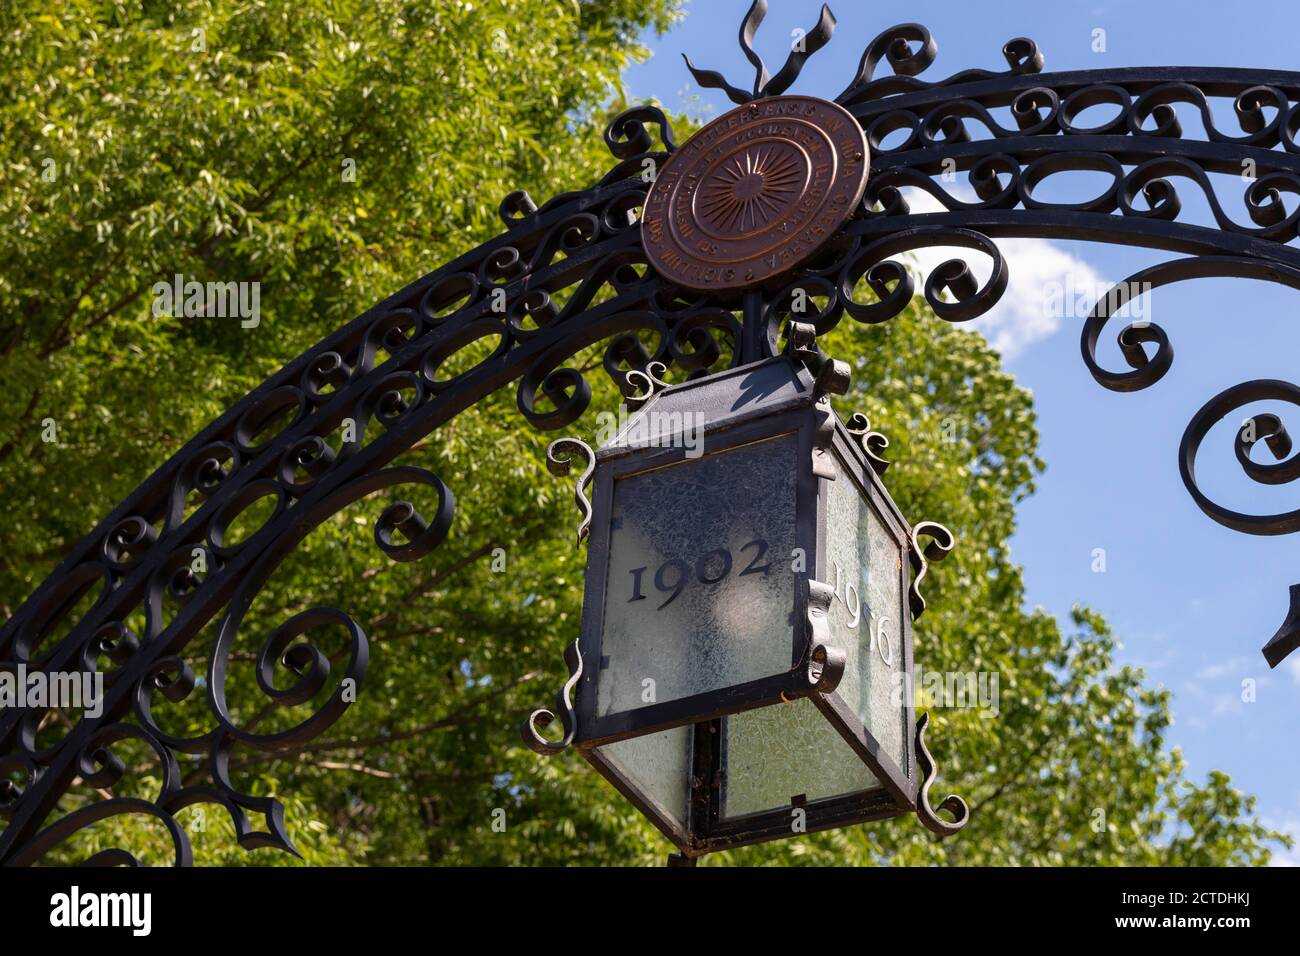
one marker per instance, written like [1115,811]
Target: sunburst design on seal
[750,190]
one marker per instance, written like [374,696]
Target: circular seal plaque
[755,193]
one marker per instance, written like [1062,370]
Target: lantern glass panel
[775,753]
[700,592]
[659,766]
[865,565]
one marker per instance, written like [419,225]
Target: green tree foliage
[217,140]
[139,140]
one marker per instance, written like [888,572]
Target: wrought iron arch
[142,556]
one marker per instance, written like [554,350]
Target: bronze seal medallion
[755,193]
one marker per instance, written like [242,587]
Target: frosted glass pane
[700,593]
[778,752]
[864,563]
[659,766]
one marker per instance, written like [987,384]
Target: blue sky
[1192,602]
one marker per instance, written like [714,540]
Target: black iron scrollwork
[531,729]
[1269,429]
[872,443]
[950,289]
[643,385]
[1287,638]
[1148,367]
[955,805]
[940,546]
[559,460]
[1266,428]
[911,50]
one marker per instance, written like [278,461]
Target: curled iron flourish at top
[896,46]
[907,47]
[805,46]
[627,137]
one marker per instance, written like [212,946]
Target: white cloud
[1229,703]
[1293,665]
[1281,855]
[1235,665]
[1027,311]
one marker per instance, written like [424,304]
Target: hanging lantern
[744,670]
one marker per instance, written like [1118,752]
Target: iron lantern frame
[801,410]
